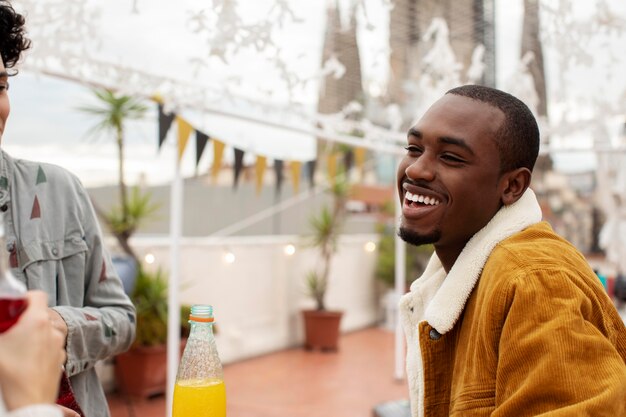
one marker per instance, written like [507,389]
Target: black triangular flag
[201,140]
[310,172]
[278,169]
[238,165]
[348,160]
[165,121]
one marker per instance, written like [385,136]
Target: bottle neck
[200,329]
[201,320]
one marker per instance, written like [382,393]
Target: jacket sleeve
[105,324]
[41,410]
[557,353]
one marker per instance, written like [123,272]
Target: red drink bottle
[12,304]
[12,299]
[12,292]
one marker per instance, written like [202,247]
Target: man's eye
[452,158]
[412,149]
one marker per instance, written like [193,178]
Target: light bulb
[229,257]
[289,249]
[370,246]
[149,258]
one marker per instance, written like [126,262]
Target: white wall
[257,299]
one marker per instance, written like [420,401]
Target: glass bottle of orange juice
[199,389]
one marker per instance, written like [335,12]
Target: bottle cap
[201,313]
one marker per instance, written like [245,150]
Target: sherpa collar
[446,302]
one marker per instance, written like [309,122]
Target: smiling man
[508,318]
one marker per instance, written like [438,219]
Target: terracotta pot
[142,370]
[321,329]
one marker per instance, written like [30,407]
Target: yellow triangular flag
[332,167]
[359,160]
[184,130]
[157,98]
[218,153]
[261,164]
[296,167]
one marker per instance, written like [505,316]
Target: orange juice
[199,398]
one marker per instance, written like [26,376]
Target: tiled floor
[297,383]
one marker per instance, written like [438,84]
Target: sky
[45,124]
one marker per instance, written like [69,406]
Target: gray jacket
[55,245]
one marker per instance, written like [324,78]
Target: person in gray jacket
[55,245]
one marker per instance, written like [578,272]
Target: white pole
[400,279]
[173,313]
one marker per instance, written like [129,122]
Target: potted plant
[142,370]
[321,326]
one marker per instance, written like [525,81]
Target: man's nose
[422,168]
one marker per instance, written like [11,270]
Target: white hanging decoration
[521,84]
[477,67]
[333,67]
[394,117]
[440,59]
[440,69]
[354,107]
[60,29]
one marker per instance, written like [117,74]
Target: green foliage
[340,190]
[113,110]
[185,327]
[150,299]
[323,227]
[316,288]
[139,208]
[415,261]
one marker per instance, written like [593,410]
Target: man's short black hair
[517,139]
[12,34]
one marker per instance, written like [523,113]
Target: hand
[67,412]
[58,323]
[31,355]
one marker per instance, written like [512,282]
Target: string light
[289,249]
[370,246]
[149,258]
[229,257]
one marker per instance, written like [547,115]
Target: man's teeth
[416,198]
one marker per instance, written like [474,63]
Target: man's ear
[514,185]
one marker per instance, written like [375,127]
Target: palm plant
[326,227]
[113,111]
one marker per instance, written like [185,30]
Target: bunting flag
[218,154]
[278,169]
[184,130]
[310,172]
[238,167]
[352,157]
[165,121]
[332,167]
[359,160]
[348,160]
[261,164]
[201,141]
[296,168]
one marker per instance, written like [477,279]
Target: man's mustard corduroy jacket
[520,326]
